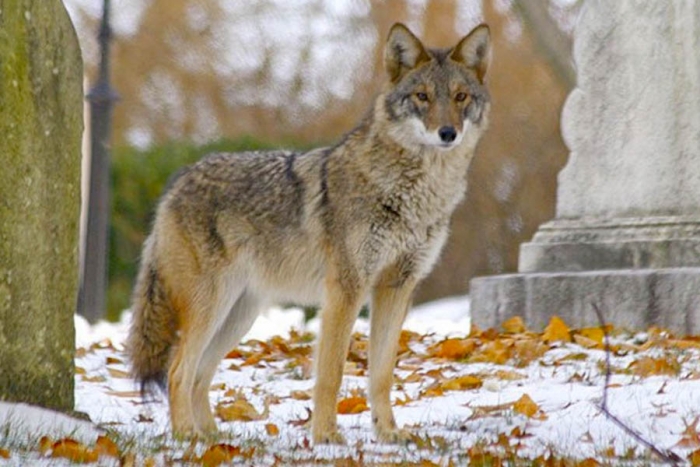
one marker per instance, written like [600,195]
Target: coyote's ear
[403,52]
[474,50]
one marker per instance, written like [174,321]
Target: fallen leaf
[219,454]
[526,406]
[68,448]
[45,444]
[595,334]
[106,447]
[514,325]
[114,373]
[584,341]
[80,370]
[453,349]
[111,360]
[556,330]
[352,405]
[648,366]
[94,379]
[239,410]
[272,429]
[694,458]
[4,453]
[589,462]
[462,383]
[130,394]
[300,395]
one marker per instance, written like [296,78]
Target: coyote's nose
[447,134]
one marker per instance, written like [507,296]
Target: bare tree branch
[665,454]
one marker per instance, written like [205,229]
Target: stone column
[627,229]
[41,109]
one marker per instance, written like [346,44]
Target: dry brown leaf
[514,325]
[219,454]
[114,373]
[496,351]
[94,379]
[462,383]
[272,429]
[589,462]
[526,351]
[648,366]
[690,437]
[694,458]
[80,370]
[352,405]
[526,406]
[4,453]
[300,395]
[106,447]
[453,349]
[68,448]
[508,375]
[129,394]
[45,444]
[556,330]
[110,360]
[584,341]
[595,334]
[239,410]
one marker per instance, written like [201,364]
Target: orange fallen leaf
[514,325]
[694,458]
[526,406]
[106,447]
[595,334]
[239,410]
[352,405]
[272,429]
[556,330]
[45,444]
[648,366]
[4,453]
[453,349]
[589,462]
[584,341]
[71,449]
[219,454]
[462,383]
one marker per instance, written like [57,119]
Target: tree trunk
[40,133]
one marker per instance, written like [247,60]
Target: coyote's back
[362,221]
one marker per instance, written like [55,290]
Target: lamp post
[93,282]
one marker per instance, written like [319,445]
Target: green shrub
[138,179]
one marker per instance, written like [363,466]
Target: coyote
[359,222]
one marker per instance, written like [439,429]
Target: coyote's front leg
[390,301]
[342,305]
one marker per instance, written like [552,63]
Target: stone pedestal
[627,228]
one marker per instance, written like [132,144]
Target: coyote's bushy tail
[153,328]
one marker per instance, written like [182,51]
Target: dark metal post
[93,281]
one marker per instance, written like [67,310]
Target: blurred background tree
[198,75]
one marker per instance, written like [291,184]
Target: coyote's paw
[330,437]
[394,436]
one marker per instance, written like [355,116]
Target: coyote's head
[436,97]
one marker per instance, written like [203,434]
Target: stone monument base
[630,299]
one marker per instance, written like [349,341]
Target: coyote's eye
[461,97]
[421,96]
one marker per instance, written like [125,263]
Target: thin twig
[665,454]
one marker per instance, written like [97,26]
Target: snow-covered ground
[517,394]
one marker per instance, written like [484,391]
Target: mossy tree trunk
[41,104]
